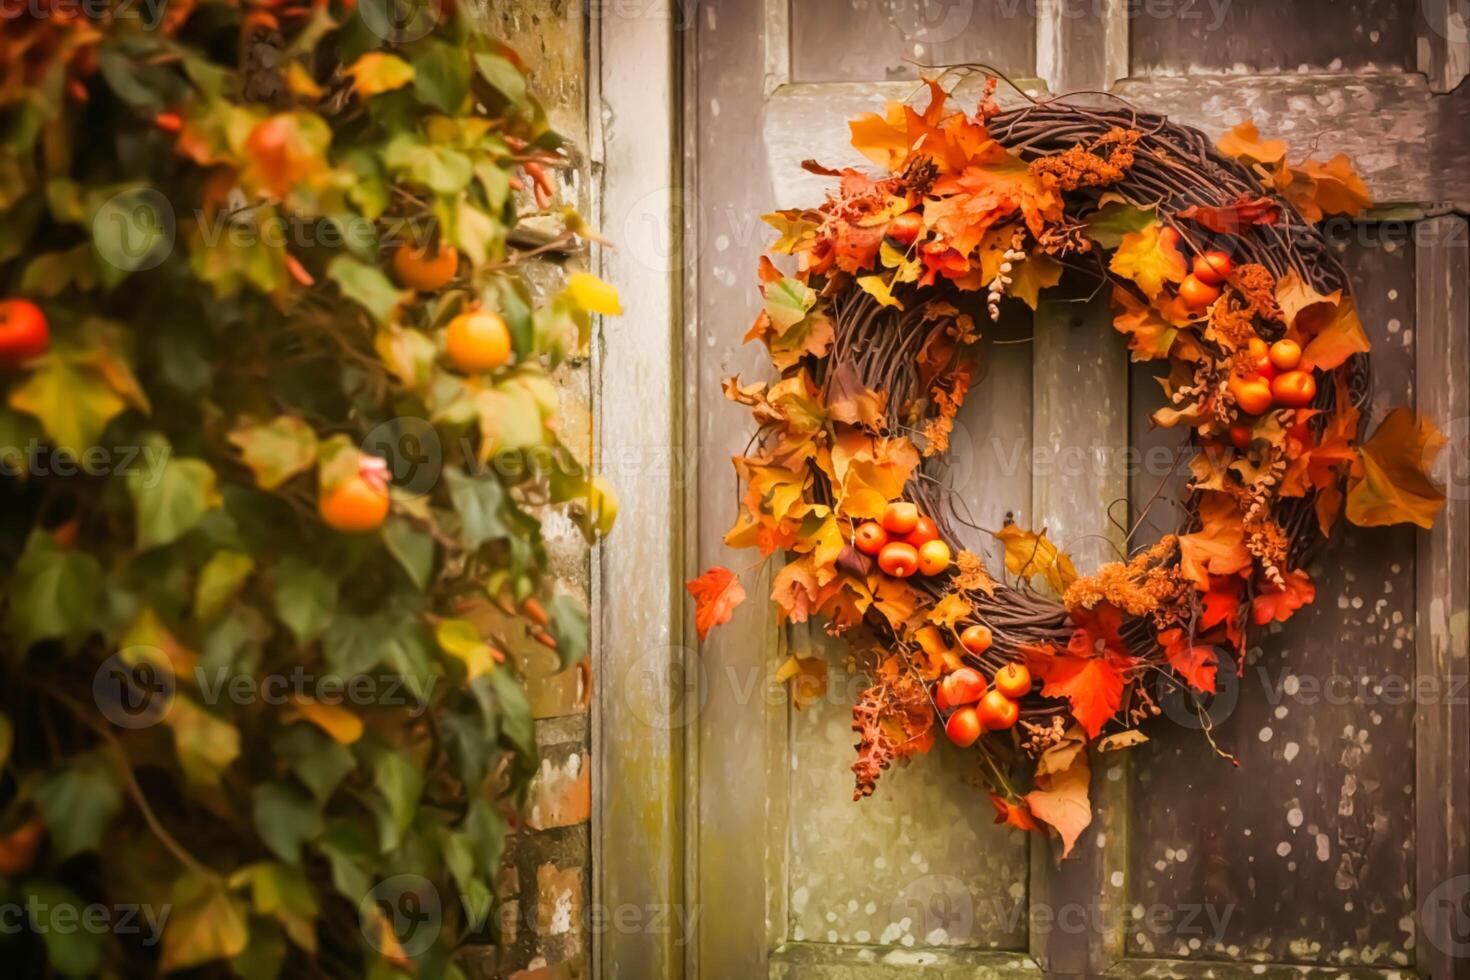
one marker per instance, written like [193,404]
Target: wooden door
[1335,849]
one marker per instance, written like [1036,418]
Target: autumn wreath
[1215,266]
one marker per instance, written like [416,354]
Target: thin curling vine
[1215,270]
[278,408]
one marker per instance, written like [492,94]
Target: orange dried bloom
[1136,587]
[1083,167]
[1258,286]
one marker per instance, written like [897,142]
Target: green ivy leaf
[285,819]
[284,894]
[366,286]
[54,594]
[206,744]
[1109,223]
[77,802]
[55,913]
[515,712]
[318,760]
[442,75]
[479,500]
[460,639]
[412,549]
[504,77]
[276,450]
[306,598]
[570,629]
[168,506]
[399,783]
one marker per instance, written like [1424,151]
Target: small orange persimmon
[1196,293]
[976,639]
[1253,395]
[997,712]
[924,532]
[933,557]
[1285,355]
[415,267]
[1013,680]
[869,538]
[898,559]
[478,341]
[1294,389]
[900,517]
[356,505]
[963,686]
[963,727]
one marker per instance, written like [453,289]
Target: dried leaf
[1393,485]
[1060,800]
[716,594]
[806,677]
[1150,258]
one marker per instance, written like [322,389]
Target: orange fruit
[416,268]
[963,686]
[963,727]
[933,557]
[898,559]
[478,341]
[1213,268]
[997,712]
[1196,293]
[1253,395]
[1294,389]
[976,639]
[1285,354]
[356,505]
[905,228]
[1013,680]
[870,537]
[923,532]
[24,333]
[900,517]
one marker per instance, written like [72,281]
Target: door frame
[647,83]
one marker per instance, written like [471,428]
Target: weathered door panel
[1314,855]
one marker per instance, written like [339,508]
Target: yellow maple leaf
[1151,258]
[806,677]
[1029,554]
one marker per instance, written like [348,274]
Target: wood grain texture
[876,40]
[1260,37]
[1442,723]
[1080,422]
[642,656]
[1304,854]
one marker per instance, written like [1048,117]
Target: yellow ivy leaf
[376,72]
[337,721]
[875,287]
[594,295]
[208,923]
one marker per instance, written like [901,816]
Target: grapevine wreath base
[1215,267]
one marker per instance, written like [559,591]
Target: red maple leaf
[716,594]
[1092,685]
[1279,604]
[1229,220]
[1193,662]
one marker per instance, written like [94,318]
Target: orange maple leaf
[1244,143]
[1061,801]
[1243,212]
[1093,685]
[1194,662]
[1392,484]
[716,594]
[1279,604]
[1013,814]
[1218,547]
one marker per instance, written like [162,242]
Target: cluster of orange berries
[1201,287]
[977,707]
[904,541]
[1273,376]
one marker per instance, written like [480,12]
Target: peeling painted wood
[1442,725]
[639,640]
[1443,43]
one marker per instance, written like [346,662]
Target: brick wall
[545,881]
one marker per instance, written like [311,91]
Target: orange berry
[355,505]
[1285,354]
[997,712]
[923,532]
[478,342]
[963,727]
[907,227]
[1213,268]
[976,639]
[963,686]
[900,517]
[24,333]
[1196,293]
[1294,389]
[870,537]
[898,559]
[933,557]
[1253,395]
[415,268]
[1013,680]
